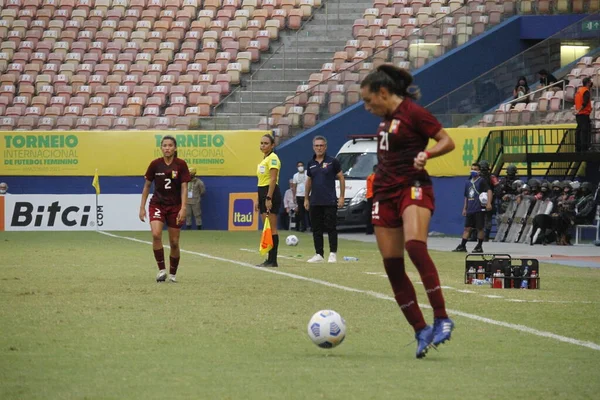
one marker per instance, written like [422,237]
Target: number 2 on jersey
[167,183]
[384,144]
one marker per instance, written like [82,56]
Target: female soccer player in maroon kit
[170,176]
[403,195]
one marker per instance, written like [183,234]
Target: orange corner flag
[266,239]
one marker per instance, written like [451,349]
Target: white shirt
[288,200]
[299,179]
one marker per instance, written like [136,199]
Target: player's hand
[256,208]
[464,213]
[340,203]
[180,217]
[142,214]
[420,160]
[488,207]
[306,204]
[268,205]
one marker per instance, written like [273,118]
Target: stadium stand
[85,64]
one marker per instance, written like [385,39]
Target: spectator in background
[289,206]
[546,78]
[521,89]
[298,188]
[196,190]
[3,188]
[369,197]
[583,109]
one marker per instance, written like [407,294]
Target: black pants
[324,219]
[300,214]
[582,134]
[369,216]
[284,220]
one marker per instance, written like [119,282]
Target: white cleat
[172,278]
[162,276]
[332,258]
[317,258]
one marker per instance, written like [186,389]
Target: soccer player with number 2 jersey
[403,199]
[168,203]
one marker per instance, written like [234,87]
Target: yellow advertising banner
[126,153]
[470,141]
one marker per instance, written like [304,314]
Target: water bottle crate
[513,273]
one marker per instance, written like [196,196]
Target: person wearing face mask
[3,188]
[474,210]
[299,181]
[583,109]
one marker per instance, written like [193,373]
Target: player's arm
[184,190]
[444,144]
[145,194]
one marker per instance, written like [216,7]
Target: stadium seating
[101,64]
[407,33]
[552,105]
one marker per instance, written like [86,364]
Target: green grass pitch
[81,317]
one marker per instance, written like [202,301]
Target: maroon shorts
[166,214]
[388,213]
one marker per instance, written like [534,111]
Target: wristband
[269,198]
[428,154]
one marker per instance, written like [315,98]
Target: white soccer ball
[483,198]
[327,329]
[291,240]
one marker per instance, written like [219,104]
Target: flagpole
[96,210]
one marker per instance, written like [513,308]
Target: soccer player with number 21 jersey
[403,200]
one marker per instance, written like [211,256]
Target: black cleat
[460,249]
[267,264]
[477,249]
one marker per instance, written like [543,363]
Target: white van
[357,158]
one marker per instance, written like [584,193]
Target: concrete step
[246,107]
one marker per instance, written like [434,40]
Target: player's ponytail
[396,80]
[169,137]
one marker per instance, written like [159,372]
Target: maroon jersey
[167,180]
[399,140]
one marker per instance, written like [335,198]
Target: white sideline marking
[517,327]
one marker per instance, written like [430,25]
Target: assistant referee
[269,196]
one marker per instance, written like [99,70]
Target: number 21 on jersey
[384,143]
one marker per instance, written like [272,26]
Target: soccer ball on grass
[327,329]
[291,240]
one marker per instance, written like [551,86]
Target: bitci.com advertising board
[70,213]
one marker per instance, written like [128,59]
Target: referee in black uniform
[321,200]
[269,196]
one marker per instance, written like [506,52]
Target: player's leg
[157,216]
[416,225]
[391,246]
[390,240]
[156,226]
[175,253]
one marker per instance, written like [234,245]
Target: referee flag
[266,240]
